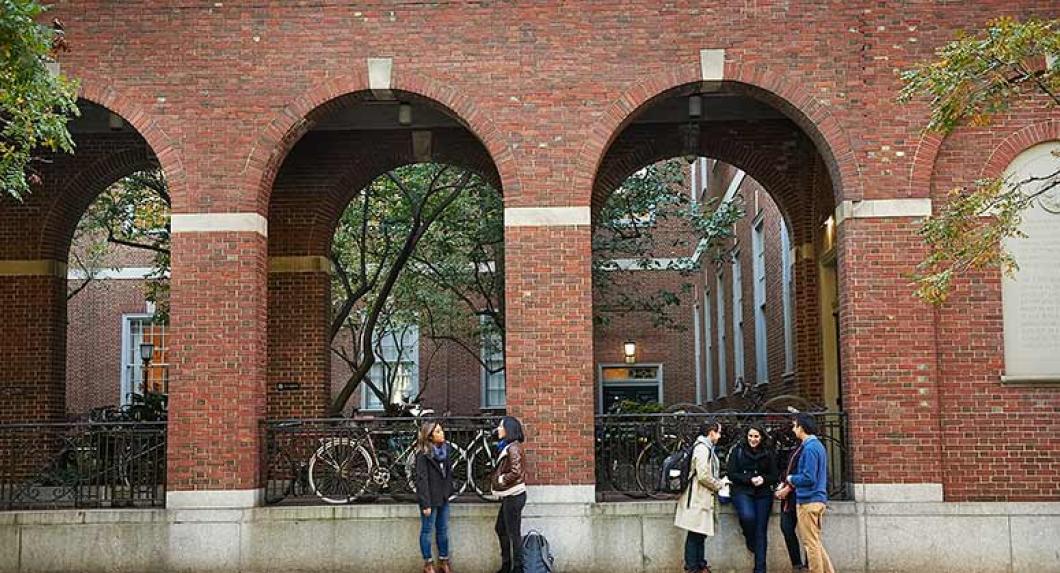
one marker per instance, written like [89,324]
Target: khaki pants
[811,520]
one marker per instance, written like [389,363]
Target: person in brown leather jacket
[509,484]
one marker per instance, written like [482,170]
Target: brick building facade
[265,118]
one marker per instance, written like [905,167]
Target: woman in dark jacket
[753,471]
[434,487]
[509,484]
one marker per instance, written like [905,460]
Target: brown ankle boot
[428,567]
[443,566]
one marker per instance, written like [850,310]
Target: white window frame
[737,318]
[484,399]
[786,264]
[631,382]
[758,248]
[697,352]
[127,351]
[415,376]
[708,328]
[723,339]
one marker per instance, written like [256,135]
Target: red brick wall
[221,106]
[93,357]
[998,442]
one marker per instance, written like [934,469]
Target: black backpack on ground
[537,557]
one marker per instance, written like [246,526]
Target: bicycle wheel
[649,467]
[785,403]
[460,472]
[480,467]
[339,471]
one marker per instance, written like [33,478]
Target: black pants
[788,520]
[695,551]
[509,532]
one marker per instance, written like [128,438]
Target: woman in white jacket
[697,510]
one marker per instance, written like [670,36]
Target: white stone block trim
[1031,380]
[219,223]
[712,64]
[560,494]
[215,499]
[33,268]
[880,208]
[300,264]
[546,216]
[121,273]
[898,492]
[379,74]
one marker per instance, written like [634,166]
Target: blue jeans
[438,520]
[695,551]
[754,521]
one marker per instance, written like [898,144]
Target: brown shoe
[428,567]
[443,566]
[705,569]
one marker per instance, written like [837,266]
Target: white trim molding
[33,268]
[300,264]
[561,494]
[120,273]
[215,499]
[898,492]
[219,223]
[547,216]
[379,74]
[882,208]
[712,64]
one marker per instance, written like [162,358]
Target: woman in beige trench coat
[699,514]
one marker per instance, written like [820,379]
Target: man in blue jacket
[811,493]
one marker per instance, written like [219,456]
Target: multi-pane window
[634,382]
[396,366]
[493,388]
[758,247]
[737,319]
[140,334]
[786,270]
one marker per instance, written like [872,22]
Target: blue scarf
[441,453]
[501,445]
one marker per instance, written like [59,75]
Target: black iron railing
[82,465]
[630,448]
[346,460]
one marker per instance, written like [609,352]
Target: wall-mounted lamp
[691,129]
[115,122]
[829,233]
[629,349]
[404,113]
[147,352]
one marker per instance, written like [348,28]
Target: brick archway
[66,208]
[1013,145]
[36,254]
[100,91]
[321,175]
[303,214]
[296,119]
[753,80]
[753,160]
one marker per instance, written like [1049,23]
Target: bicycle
[343,468]
[481,463]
